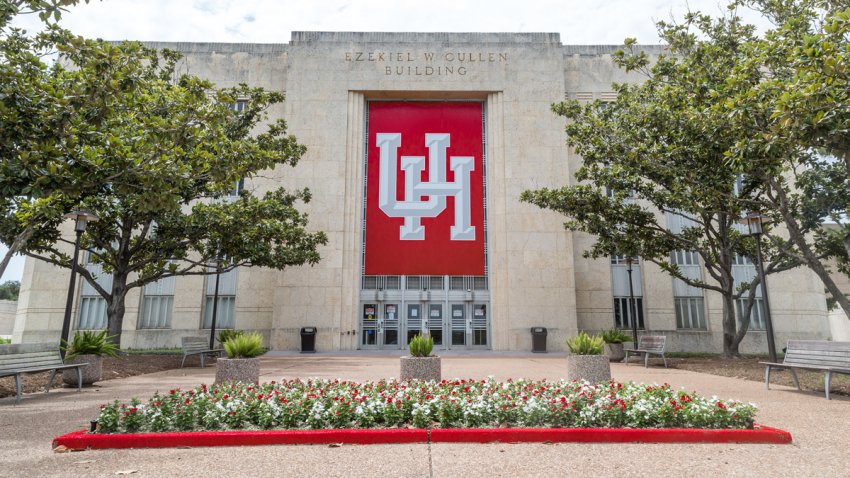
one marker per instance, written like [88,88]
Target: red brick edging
[82,440]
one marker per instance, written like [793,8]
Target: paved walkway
[821,431]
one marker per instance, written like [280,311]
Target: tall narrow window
[225,312]
[626,310]
[157,304]
[92,309]
[688,301]
[744,270]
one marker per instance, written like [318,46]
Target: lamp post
[215,301]
[632,310]
[81,218]
[754,221]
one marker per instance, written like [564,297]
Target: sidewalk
[819,427]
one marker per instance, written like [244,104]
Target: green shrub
[227,334]
[615,336]
[583,344]
[421,345]
[5,341]
[89,342]
[245,345]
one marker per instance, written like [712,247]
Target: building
[453,251]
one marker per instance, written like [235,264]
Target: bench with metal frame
[817,355]
[18,359]
[197,346]
[648,344]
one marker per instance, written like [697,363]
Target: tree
[9,290]
[801,112]
[44,125]
[660,149]
[176,144]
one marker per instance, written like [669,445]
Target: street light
[215,301]
[632,310]
[754,221]
[81,218]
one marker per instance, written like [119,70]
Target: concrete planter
[93,372]
[615,352]
[593,368]
[421,368]
[246,370]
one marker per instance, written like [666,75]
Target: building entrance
[424,237]
[456,317]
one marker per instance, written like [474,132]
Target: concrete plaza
[819,428]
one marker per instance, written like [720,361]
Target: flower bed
[324,404]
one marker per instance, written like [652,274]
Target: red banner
[425,189]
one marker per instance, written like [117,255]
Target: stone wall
[8,309]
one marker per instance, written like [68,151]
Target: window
[238,186]
[688,300]
[226,308]
[240,105]
[690,313]
[741,260]
[756,316]
[623,260]
[623,289]
[623,312]
[157,304]
[92,309]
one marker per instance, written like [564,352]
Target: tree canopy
[166,149]
[799,114]
[658,155]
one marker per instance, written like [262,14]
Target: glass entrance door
[435,323]
[480,324]
[457,326]
[415,322]
[369,326]
[390,326]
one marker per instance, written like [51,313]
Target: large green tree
[660,151]
[800,116]
[45,124]
[177,146]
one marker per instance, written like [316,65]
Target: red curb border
[82,440]
[759,434]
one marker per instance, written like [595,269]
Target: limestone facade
[537,276]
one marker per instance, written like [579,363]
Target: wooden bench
[830,357]
[18,359]
[197,346]
[648,344]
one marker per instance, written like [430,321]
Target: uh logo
[413,208]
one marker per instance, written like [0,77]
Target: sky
[579,22]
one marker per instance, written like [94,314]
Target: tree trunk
[16,245]
[730,345]
[799,239]
[115,307]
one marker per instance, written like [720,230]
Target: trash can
[538,340]
[308,340]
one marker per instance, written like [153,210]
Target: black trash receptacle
[308,340]
[538,340]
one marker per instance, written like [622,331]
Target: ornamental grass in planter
[614,339]
[586,360]
[89,347]
[241,364]
[421,365]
